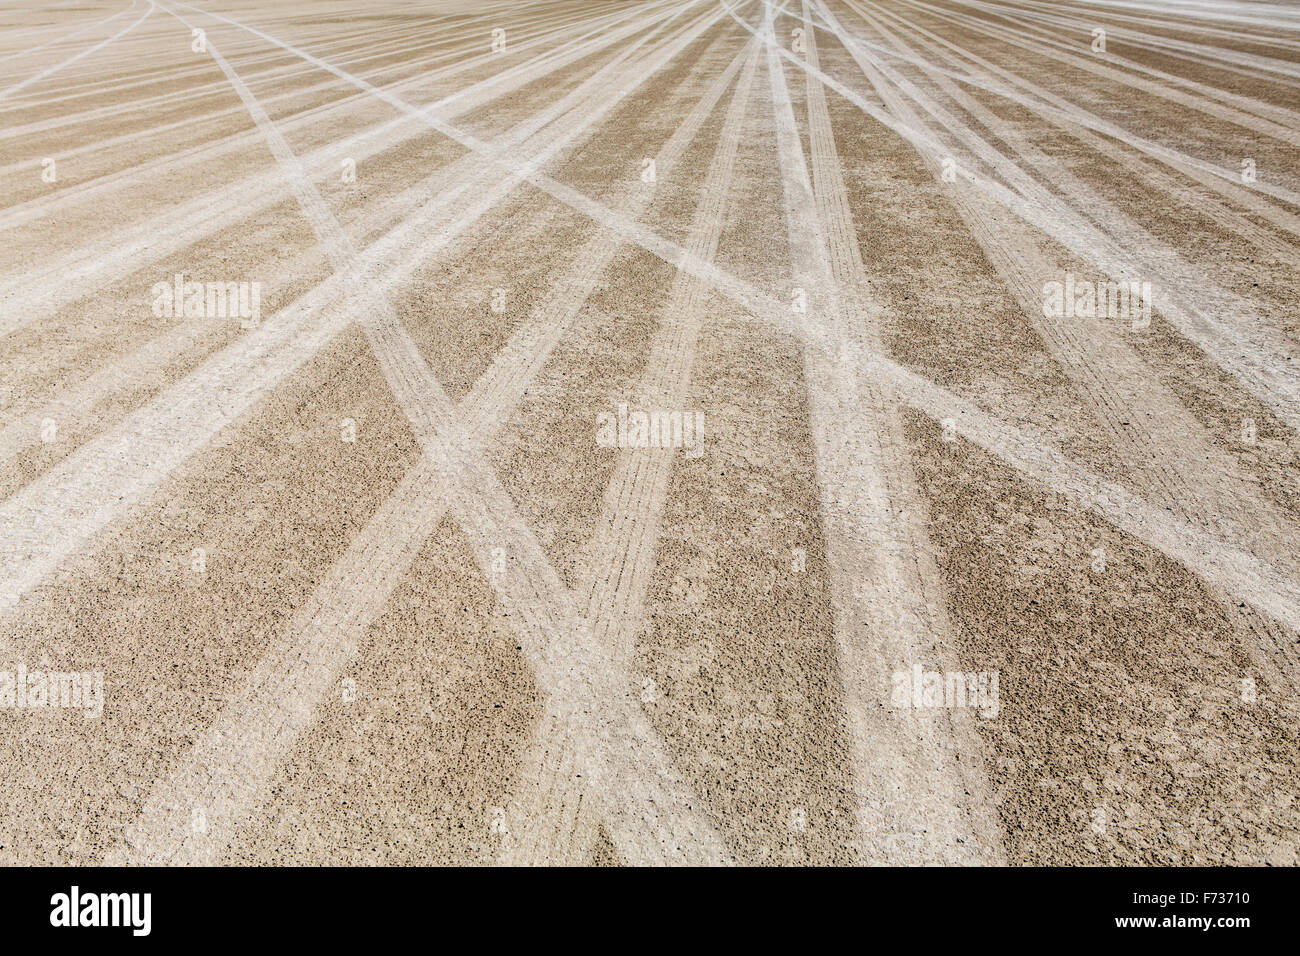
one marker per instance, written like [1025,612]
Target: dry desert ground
[675,432]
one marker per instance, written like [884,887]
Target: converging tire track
[364,580]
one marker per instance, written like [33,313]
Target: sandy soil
[380,574]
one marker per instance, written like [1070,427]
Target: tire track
[51,70]
[1221,213]
[252,737]
[1250,352]
[33,297]
[1125,394]
[68,405]
[907,766]
[1210,557]
[559,823]
[35,208]
[59,512]
[1187,476]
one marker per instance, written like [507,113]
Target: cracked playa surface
[644,433]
